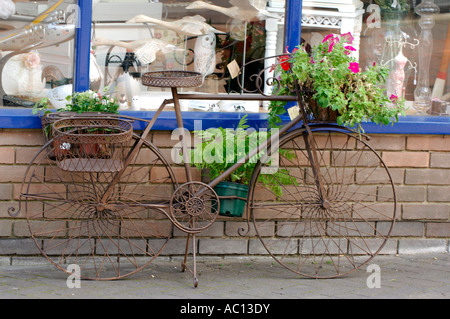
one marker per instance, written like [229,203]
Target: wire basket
[91,144]
[172,79]
[315,111]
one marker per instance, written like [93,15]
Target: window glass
[410,37]
[131,38]
[37,50]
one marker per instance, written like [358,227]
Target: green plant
[221,148]
[80,102]
[401,5]
[91,102]
[336,81]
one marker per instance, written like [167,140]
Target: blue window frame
[23,119]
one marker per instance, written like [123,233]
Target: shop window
[38,61]
[130,40]
[411,38]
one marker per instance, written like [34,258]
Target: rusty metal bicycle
[101,196]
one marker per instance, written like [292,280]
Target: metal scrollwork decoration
[265,82]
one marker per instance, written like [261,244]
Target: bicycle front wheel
[70,224]
[328,231]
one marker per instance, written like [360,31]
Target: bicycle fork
[315,166]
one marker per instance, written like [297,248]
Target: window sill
[436,125]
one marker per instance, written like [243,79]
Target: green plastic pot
[231,207]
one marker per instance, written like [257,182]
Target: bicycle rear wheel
[313,237]
[70,225]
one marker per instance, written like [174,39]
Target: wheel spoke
[111,240]
[329,239]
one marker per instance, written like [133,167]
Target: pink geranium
[393,98]
[327,38]
[349,48]
[354,67]
[348,37]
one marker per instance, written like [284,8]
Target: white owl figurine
[205,54]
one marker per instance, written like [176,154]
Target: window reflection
[36,44]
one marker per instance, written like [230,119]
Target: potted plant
[76,103]
[219,149]
[331,81]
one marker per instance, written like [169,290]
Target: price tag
[294,112]
[234,69]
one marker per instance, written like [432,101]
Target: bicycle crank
[194,206]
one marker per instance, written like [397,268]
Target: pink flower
[348,37]
[332,44]
[330,48]
[349,48]
[312,61]
[393,98]
[354,67]
[327,38]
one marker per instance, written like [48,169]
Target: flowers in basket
[329,79]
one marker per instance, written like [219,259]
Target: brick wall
[420,166]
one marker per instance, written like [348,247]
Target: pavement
[234,278]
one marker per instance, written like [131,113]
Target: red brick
[24,155]
[387,142]
[22,137]
[440,160]
[406,159]
[426,211]
[12,173]
[402,229]
[428,143]
[438,194]
[7,155]
[438,230]
[427,176]
[5,191]
[5,228]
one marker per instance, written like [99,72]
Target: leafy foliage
[402,5]
[221,148]
[337,81]
[87,101]
[80,102]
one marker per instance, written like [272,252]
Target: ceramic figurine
[205,54]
